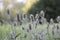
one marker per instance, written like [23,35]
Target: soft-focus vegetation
[51,8]
[6,29]
[15,24]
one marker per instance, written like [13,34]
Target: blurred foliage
[51,8]
[28,5]
[24,8]
[15,8]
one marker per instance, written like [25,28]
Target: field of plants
[7,31]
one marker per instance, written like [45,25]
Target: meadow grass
[6,28]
